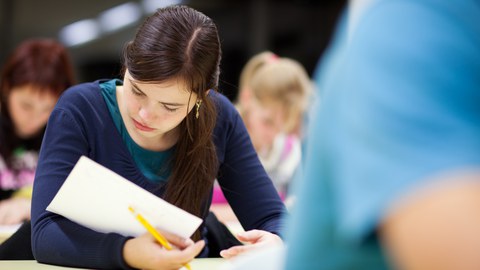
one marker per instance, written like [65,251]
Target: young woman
[165,129]
[32,79]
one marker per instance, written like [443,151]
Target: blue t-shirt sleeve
[408,108]
[399,107]
[55,239]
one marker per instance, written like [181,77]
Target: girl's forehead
[271,109]
[171,91]
[173,83]
[32,90]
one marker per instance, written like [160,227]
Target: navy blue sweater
[80,125]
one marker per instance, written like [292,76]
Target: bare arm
[437,228]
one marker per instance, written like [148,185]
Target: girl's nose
[144,113]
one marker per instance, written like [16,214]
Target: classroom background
[96,31]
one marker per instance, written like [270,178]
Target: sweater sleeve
[55,239]
[243,180]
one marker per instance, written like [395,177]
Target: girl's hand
[14,210]
[256,238]
[144,252]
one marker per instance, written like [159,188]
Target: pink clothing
[21,172]
[218,195]
[219,198]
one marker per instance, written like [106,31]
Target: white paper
[98,198]
[267,258]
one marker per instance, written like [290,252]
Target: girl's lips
[141,127]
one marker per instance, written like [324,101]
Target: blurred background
[95,31]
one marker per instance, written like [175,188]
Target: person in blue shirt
[392,169]
[165,129]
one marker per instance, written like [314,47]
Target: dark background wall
[300,29]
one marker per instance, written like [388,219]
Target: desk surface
[197,264]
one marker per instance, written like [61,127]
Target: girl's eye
[170,109]
[135,92]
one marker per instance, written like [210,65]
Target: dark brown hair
[42,63]
[178,42]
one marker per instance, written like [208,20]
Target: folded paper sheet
[98,198]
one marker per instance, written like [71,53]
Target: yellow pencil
[160,238]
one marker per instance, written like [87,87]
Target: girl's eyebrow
[135,86]
[164,103]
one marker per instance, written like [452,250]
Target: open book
[98,198]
